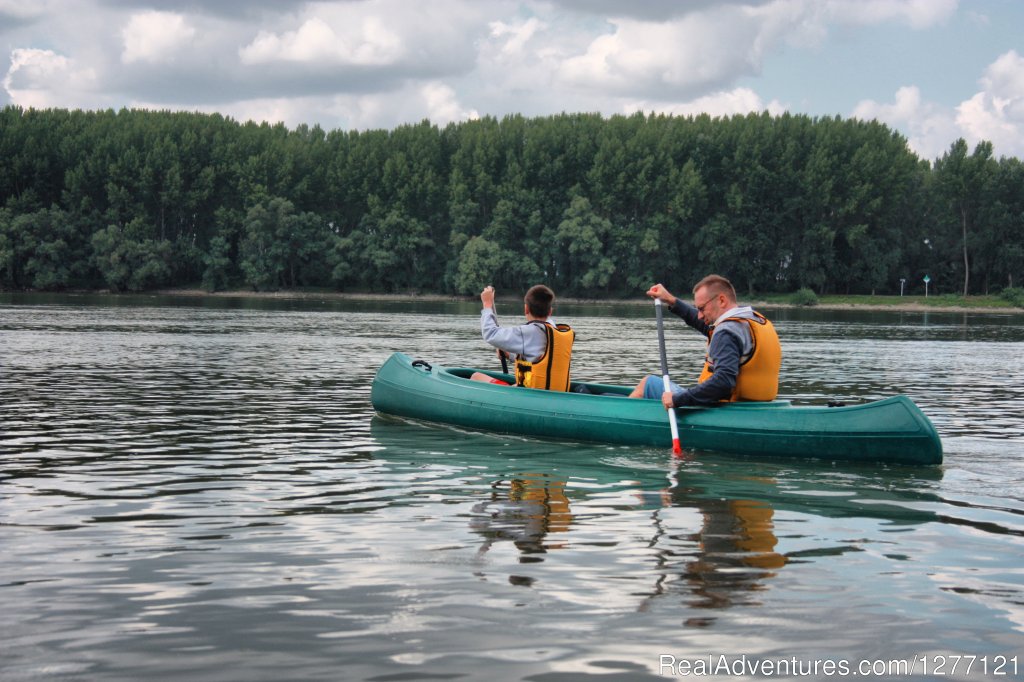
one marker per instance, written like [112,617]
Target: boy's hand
[487,296]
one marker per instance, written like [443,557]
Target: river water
[199,489]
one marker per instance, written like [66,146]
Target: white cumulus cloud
[708,49]
[42,78]
[691,55]
[678,57]
[372,42]
[996,113]
[154,36]
[442,105]
[725,103]
[929,127]
[434,101]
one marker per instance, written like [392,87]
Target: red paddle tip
[676,449]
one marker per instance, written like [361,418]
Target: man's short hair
[539,300]
[716,284]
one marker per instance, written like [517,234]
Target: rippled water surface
[199,489]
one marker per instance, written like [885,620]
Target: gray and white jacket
[528,341]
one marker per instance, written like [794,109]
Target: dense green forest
[593,206]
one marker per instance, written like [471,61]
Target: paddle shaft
[676,448]
[501,354]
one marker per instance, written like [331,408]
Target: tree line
[133,200]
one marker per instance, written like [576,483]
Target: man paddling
[542,349]
[743,352]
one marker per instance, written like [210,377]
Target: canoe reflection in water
[702,529]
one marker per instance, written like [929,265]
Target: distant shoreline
[910,305]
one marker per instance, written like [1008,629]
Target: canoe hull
[890,430]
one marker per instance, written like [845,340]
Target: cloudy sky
[935,70]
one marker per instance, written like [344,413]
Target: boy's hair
[539,300]
[716,285]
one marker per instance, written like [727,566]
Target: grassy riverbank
[944,302]
[947,302]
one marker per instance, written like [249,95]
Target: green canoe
[890,430]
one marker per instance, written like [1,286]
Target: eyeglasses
[700,308]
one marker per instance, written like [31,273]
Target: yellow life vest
[554,513]
[759,374]
[756,536]
[551,371]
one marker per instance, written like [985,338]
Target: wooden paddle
[676,449]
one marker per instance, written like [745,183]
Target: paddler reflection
[723,555]
[526,510]
[726,558]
